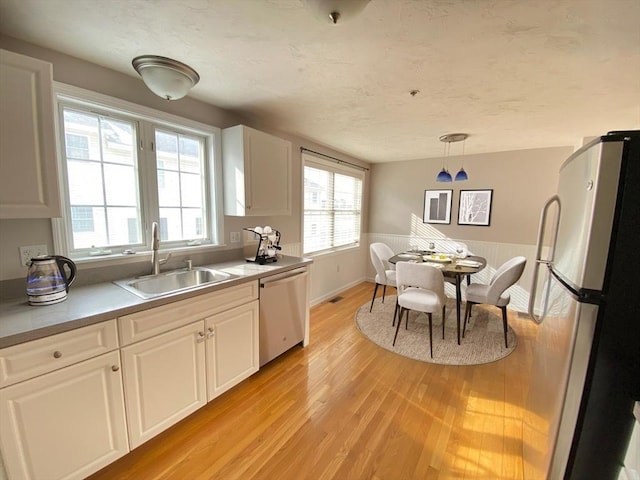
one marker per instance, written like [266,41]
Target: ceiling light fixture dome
[166,77]
[333,11]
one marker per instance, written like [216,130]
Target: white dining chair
[385,271]
[496,292]
[420,288]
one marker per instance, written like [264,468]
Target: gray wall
[521,181]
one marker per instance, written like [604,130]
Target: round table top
[447,266]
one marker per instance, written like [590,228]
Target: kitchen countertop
[86,305]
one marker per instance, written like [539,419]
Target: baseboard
[333,293]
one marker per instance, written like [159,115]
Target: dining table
[452,266]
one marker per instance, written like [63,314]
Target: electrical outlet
[235,237]
[30,251]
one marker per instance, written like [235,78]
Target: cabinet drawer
[148,323]
[27,360]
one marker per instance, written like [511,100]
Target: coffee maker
[268,245]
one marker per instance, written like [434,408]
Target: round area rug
[483,341]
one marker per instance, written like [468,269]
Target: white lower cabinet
[65,424]
[232,347]
[63,398]
[164,380]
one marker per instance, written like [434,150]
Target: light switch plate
[235,237]
[29,251]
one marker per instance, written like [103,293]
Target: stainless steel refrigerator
[586,365]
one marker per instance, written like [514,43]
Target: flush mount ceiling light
[165,77]
[333,11]
[444,175]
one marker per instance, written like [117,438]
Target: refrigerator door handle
[539,260]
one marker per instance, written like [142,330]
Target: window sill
[141,256]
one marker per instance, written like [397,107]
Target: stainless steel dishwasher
[283,309]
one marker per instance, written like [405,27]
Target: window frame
[314,161]
[148,120]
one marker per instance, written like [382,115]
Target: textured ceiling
[513,74]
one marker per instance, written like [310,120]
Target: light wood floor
[344,408]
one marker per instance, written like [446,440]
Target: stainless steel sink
[151,286]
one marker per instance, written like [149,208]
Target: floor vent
[336,299]
[523,315]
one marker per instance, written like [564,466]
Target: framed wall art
[437,206]
[475,207]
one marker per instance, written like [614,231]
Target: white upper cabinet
[28,168]
[257,173]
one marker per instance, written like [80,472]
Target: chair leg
[504,324]
[402,310]
[444,316]
[395,313]
[384,291]
[467,314]
[430,336]
[375,290]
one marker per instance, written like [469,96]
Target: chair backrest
[419,275]
[508,274]
[481,260]
[380,255]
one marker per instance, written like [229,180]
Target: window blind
[332,205]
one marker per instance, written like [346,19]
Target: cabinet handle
[210,332]
[200,337]
[115,368]
[57,354]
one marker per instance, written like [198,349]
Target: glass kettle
[47,279]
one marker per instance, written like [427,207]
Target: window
[124,167]
[332,205]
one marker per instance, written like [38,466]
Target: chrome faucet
[155,245]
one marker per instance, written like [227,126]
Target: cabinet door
[257,173]
[164,380]
[268,174]
[232,347]
[66,424]
[28,176]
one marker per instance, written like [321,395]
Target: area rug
[483,341]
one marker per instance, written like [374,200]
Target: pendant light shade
[335,11]
[461,175]
[443,176]
[165,77]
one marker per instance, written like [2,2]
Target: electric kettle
[47,280]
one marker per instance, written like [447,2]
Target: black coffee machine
[268,245]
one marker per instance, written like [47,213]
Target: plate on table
[408,255]
[468,263]
[434,264]
[437,258]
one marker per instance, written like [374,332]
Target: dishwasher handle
[286,277]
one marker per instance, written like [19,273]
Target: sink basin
[170,282]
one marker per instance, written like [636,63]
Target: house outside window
[332,205]
[123,170]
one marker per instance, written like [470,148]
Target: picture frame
[437,206]
[474,207]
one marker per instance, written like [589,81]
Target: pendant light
[461,176]
[448,139]
[444,175]
[165,77]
